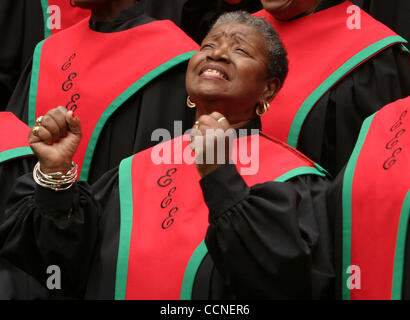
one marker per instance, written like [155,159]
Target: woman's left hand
[210,139]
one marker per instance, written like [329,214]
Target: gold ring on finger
[196,124]
[35,130]
[39,119]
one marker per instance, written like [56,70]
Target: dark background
[196,16]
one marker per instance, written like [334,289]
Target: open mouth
[213,71]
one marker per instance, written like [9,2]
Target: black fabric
[53,231]
[406,272]
[14,283]
[127,19]
[167,9]
[9,172]
[195,17]
[199,15]
[326,4]
[335,212]
[101,283]
[21,28]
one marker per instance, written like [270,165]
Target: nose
[219,53]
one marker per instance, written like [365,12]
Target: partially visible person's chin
[276,7]
[289,9]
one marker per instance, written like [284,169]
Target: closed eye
[207,46]
[243,51]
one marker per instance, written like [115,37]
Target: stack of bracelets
[55,181]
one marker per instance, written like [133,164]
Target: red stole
[13,137]
[376,205]
[321,51]
[69,15]
[164,217]
[94,73]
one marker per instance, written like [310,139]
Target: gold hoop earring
[265,108]
[189,102]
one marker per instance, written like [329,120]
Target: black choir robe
[291,217]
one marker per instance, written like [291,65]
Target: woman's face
[229,72]
[288,9]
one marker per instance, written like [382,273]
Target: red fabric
[104,66]
[233,1]
[13,132]
[317,46]
[377,198]
[158,257]
[69,15]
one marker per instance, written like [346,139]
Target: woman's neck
[110,10]
[235,122]
[240,124]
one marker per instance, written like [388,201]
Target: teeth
[214,72]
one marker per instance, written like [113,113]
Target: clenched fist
[210,139]
[55,138]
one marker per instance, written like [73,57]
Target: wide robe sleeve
[9,172]
[14,283]
[42,228]
[270,240]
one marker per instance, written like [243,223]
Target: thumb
[74,123]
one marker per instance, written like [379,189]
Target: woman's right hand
[56,140]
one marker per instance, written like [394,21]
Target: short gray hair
[278,62]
